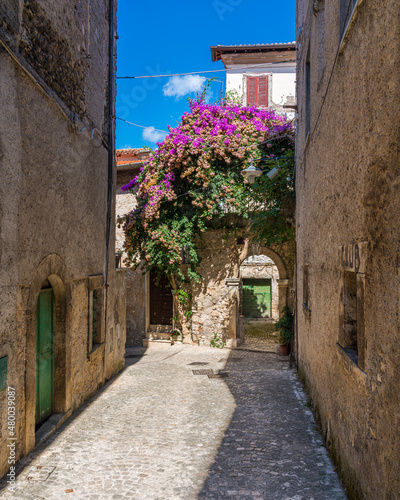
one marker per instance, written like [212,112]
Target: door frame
[52,269]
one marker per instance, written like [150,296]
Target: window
[95,310]
[308,94]
[96,316]
[321,41]
[257,91]
[352,335]
[306,293]
[346,11]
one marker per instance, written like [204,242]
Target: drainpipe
[111,141]
[111,160]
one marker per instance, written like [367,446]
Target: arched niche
[53,270]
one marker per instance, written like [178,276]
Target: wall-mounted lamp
[274,172]
[251,173]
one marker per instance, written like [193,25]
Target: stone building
[240,281]
[129,162]
[348,202]
[219,300]
[62,303]
[263,75]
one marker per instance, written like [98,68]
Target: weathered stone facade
[129,162]
[56,134]
[226,258]
[216,302]
[348,234]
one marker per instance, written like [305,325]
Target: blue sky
[158,37]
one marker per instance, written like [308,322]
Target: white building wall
[282,88]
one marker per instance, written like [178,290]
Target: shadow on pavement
[132,356]
[271,449]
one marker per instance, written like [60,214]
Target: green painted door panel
[256,298]
[44,355]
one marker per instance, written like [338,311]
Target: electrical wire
[141,126]
[198,72]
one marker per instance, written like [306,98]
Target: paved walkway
[165,430]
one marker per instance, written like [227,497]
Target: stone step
[158,336]
[156,343]
[160,328]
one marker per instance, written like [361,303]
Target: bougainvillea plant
[195,175]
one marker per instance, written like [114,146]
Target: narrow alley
[187,423]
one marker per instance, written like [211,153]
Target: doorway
[257,297]
[161,301]
[44,355]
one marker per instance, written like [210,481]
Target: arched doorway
[263,273]
[48,379]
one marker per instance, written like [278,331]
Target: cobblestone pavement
[165,430]
[258,344]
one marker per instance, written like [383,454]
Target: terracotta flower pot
[284,350]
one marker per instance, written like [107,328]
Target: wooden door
[161,310]
[257,298]
[44,355]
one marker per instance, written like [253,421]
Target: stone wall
[216,299]
[347,222]
[135,280]
[53,204]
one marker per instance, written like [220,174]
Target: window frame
[267,76]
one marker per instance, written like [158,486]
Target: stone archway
[54,271]
[283,281]
[236,323]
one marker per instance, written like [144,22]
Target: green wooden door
[44,355]
[256,297]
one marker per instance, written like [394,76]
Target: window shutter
[262,91]
[251,91]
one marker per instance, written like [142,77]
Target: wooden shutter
[251,91]
[257,91]
[262,91]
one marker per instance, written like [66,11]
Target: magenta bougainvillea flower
[193,176]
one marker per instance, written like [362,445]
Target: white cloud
[152,135]
[179,86]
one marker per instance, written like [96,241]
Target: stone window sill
[347,357]
[97,350]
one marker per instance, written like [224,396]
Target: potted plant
[285,327]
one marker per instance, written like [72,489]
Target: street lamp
[274,172]
[251,173]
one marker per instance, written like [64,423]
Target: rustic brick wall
[347,222]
